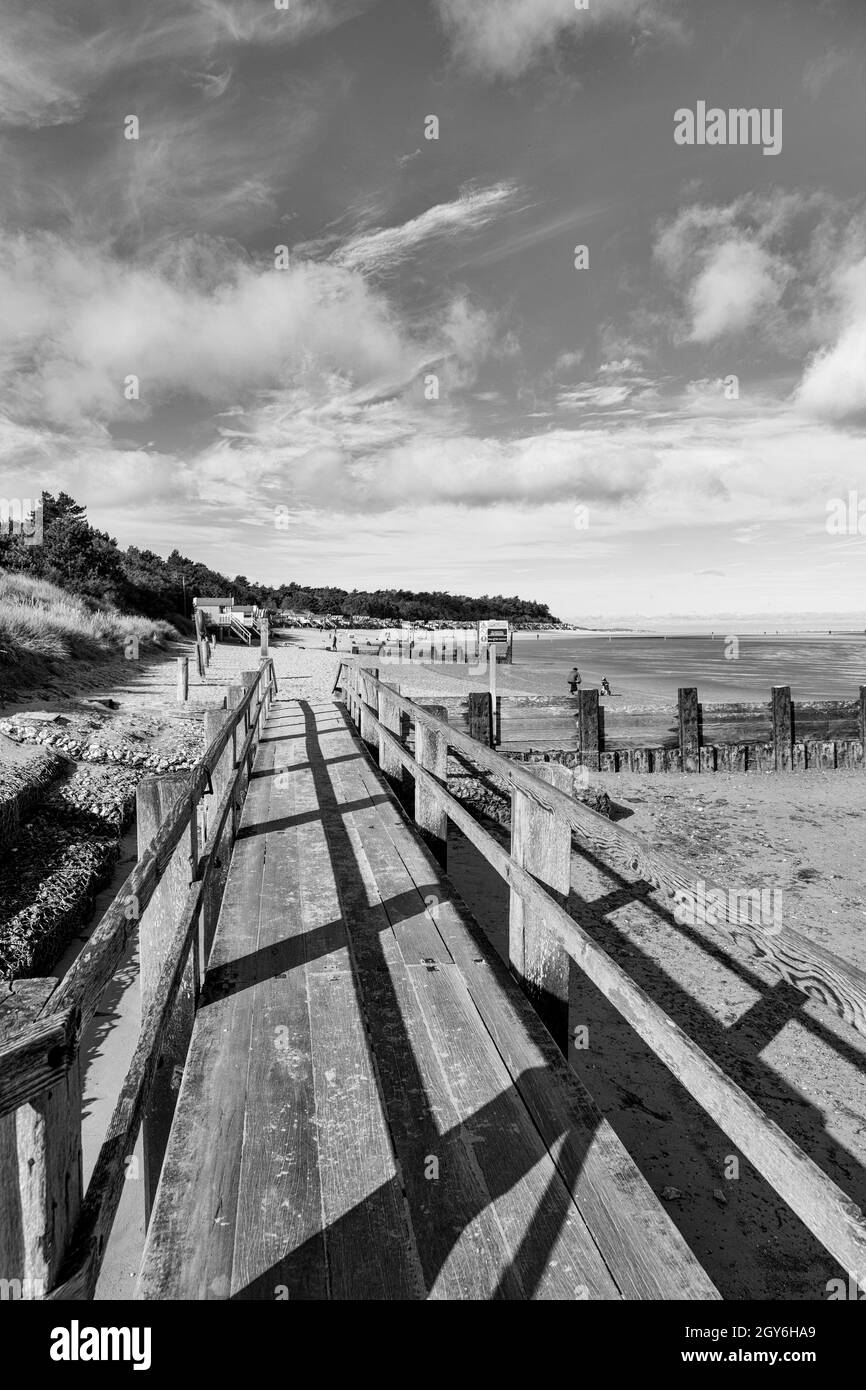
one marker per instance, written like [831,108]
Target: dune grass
[43,629]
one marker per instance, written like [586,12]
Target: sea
[723,666]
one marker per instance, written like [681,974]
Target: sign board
[494,630]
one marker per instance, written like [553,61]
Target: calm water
[637,667]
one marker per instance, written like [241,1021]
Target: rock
[671,1194]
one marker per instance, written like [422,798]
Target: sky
[324,319]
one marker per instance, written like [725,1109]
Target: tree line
[85,561]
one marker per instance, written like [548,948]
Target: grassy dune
[43,628]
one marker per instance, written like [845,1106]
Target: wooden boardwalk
[370,1109]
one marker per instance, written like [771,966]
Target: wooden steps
[370,1108]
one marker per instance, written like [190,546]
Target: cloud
[504,38]
[819,71]
[384,250]
[834,382]
[737,282]
[50,65]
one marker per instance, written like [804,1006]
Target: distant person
[573,680]
[605,686]
[334,642]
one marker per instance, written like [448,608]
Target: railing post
[431,754]
[588,728]
[265,633]
[40,1164]
[863,725]
[389,715]
[221,777]
[234,698]
[541,844]
[155,799]
[182,679]
[689,728]
[369,732]
[783,728]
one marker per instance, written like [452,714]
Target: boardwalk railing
[51,1243]
[544,936]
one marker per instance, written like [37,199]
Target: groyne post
[689,728]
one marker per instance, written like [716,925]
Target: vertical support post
[541,844]
[389,715]
[481,724]
[689,728]
[588,727]
[221,777]
[40,1164]
[234,698]
[265,630]
[182,679]
[431,753]
[155,799]
[863,724]
[369,732]
[783,728]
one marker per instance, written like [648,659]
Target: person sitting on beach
[573,680]
[605,686]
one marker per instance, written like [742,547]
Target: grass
[43,629]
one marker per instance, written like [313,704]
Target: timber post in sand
[541,844]
[783,728]
[481,725]
[265,631]
[182,679]
[689,728]
[588,732]
[156,797]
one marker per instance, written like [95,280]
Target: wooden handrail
[823,1207]
[38,1056]
[83,985]
[804,965]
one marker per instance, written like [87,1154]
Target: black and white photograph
[433,667]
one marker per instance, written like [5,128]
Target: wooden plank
[189,1249]
[863,725]
[541,843]
[370,1250]
[639,1243]
[279,1249]
[689,728]
[368,698]
[389,713]
[461,1247]
[553,1253]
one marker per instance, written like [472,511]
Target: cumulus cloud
[737,282]
[503,38]
[834,382]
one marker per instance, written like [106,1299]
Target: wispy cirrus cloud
[55,55]
[384,250]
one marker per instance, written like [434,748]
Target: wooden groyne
[781,734]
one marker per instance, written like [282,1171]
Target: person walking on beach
[605,686]
[573,680]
